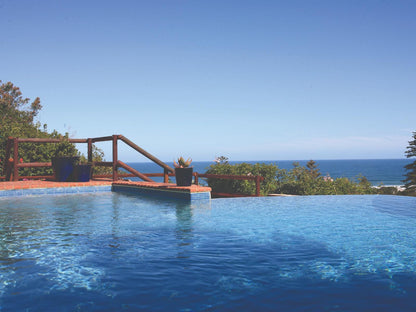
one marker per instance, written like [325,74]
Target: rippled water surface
[114,252]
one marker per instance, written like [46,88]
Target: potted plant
[82,172]
[183,171]
[64,160]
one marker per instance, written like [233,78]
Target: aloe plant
[182,163]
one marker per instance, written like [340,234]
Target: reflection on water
[115,222]
[183,229]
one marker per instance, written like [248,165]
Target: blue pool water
[115,252]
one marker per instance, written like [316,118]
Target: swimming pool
[116,252]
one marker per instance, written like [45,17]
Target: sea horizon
[381,171]
[268,160]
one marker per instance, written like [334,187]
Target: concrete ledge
[167,190]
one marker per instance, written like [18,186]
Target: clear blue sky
[251,80]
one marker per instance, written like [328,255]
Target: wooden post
[196,178]
[15,160]
[258,186]
[9,173]
[7,154]
[115,160]
[7,166]
[89,150]
[165,176]
[89,144]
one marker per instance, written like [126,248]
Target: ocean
[377,171]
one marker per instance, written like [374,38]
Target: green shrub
[298,181]
[223,167]
[388,190]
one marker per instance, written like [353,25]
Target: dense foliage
[298,181]
[222,166]
[410,181]
[17,119]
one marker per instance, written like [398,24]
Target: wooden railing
[11,168]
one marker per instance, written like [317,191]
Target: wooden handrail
[34,164]
[101,139]
[131,175]
[134,171]
[103,163]
[42,140]
[229,176]
[146,154]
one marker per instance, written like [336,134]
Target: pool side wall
[55,190]
[162,193]
[160,190]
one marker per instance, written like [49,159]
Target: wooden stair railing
[11,168]
[133,171]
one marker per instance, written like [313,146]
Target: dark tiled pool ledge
[168,190]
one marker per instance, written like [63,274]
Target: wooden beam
[115,159]
[42,140]
[103,163]
[230,176]
[258,185]
[34,164]
[134,171]
[15,159]
[146,154]
[6,165]
[101,139]
[90,150]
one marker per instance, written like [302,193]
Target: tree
[313,169]
[17,119]
[410,181]
[13,106]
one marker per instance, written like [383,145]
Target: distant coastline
[386,172]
